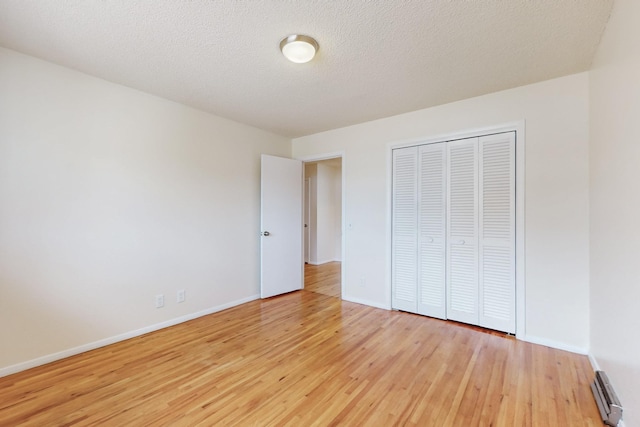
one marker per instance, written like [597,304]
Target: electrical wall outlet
[180,296]
[159,301]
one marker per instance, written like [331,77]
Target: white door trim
[306,212]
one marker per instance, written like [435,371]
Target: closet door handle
[460,242]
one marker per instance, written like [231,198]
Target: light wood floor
[304,359]
[323,279]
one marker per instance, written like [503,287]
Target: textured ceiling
[377,58]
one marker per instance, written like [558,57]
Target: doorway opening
[322,236]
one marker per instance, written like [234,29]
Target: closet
[453,230]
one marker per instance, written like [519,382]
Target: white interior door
[497,232]
[431,230]
[462,231]
[281,253]
[453,230]
[404,238]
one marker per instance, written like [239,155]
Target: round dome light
[298,48]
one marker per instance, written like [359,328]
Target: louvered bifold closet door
[462,231]
[497,232]
[431,235]
[404,230]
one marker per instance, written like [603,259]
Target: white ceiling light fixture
[298,48]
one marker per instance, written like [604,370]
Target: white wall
[109,196]
[615,205]
[557,202]
[325,220]
[329,213]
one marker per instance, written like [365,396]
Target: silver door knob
[265,233]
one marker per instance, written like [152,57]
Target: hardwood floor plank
[308,358]
[323,279]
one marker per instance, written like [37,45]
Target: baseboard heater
[607,400]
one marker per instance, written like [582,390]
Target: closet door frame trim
[519,128]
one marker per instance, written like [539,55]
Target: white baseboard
[321,262]
[121,337]
[366,302]
[555,344]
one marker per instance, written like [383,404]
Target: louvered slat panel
[463,282]
[497,232]
[462,234]
[404,229]
[497,278]
[432,200]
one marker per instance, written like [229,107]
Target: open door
[281,259]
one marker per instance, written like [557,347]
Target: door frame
[519,128]
[329,156]
[306,218]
